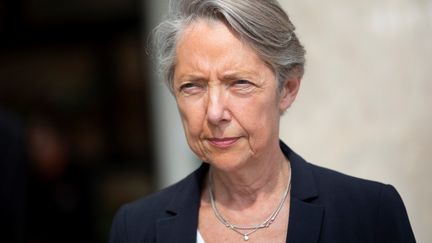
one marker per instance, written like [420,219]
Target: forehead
[211,45]
[208,29]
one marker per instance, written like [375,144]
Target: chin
[228,162]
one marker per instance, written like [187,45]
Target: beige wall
[365,106]
[365,103]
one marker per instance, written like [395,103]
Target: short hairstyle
[262,24]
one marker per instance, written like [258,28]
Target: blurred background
[75,116]
[86,126]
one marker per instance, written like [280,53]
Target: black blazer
[326,206]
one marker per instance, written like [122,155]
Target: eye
[190,88]
[243,85]
[242,82]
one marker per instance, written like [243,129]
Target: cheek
[192,117]
[258,117]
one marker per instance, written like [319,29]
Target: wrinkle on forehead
[212,62]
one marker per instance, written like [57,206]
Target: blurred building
[74,74]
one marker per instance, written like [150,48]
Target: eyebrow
[229,75]
[237,74]
[191,77]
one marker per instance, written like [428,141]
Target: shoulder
[343,185]
[337,182]
[349,191]
[354,203]
[136,221]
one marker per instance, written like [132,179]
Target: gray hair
[261,24]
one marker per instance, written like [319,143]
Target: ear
[289,92]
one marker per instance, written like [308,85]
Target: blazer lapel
[176,229]
[181,221]
[305,219]
[305,222]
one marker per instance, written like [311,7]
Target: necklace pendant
[245,237]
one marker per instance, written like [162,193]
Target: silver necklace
[245,231]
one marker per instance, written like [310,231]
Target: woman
[234,67]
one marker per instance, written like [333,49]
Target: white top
[199,237]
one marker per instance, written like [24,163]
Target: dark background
[75,123]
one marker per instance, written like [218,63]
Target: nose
[217,111]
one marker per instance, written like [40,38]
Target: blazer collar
[303,184]
[305,219]
[181,222]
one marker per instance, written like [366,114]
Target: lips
[222,142]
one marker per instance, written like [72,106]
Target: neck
[259,180]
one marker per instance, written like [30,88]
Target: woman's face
[227,97]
